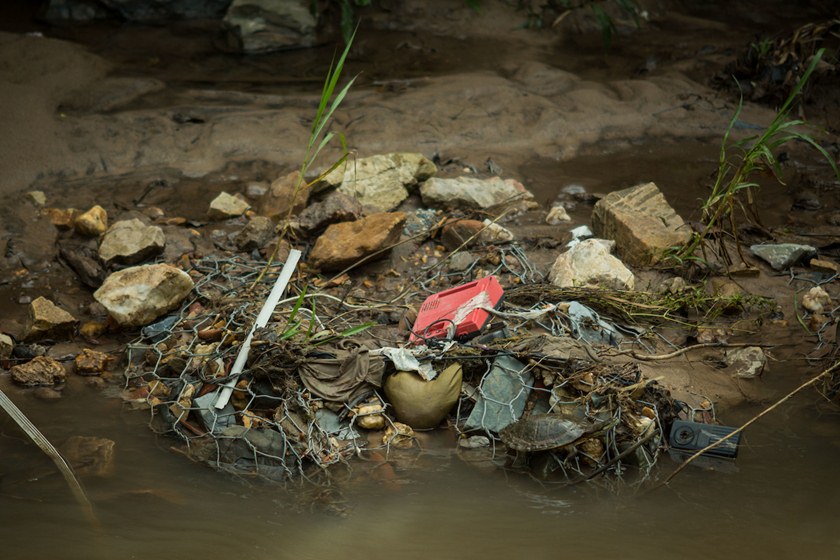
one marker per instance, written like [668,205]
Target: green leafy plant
[319,138]
[733,193]
[294,325]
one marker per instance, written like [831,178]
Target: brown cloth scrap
[343,372]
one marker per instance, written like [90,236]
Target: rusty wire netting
[273,426]
[284,424]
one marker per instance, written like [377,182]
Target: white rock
[557,215]
[131,241]
[494,233]
[589,263]
[138,295]
[471,192]
[226,206]
[816,300]
[746,363]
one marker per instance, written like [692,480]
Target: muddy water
[779,503]
[776,501]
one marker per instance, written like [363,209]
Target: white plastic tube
[262,320]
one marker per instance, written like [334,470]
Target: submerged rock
[47,319]
[130,242]
[89,455]
[344,244]
[270,25]
[641,222]
[782,255]
[472,193]
[382,182]
[226,206]
[138,295]
[41,370]
[38,198]
[746,362]
[589,263]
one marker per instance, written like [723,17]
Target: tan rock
[47,319]
[382,182]
[825,265]
[226,206]
[346,243]
[474,193]
[131,241]
[38,198]
[557,215]
[41,370]
[138,295]
[816,300]
[285,192]
[92,223]
[641,222]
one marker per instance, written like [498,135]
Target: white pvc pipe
[262,320]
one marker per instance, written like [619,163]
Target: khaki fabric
[423,404]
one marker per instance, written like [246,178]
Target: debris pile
[314,393]
[260,365]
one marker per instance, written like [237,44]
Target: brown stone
[286,192]
[47,319]
[456,232]
[336,207]
[92,362]
[41,370]
[62,218]
[641,222]
[346,243]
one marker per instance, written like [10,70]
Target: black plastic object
[690,437]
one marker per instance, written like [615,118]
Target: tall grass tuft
[733,193]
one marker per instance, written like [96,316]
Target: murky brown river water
[778,501]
